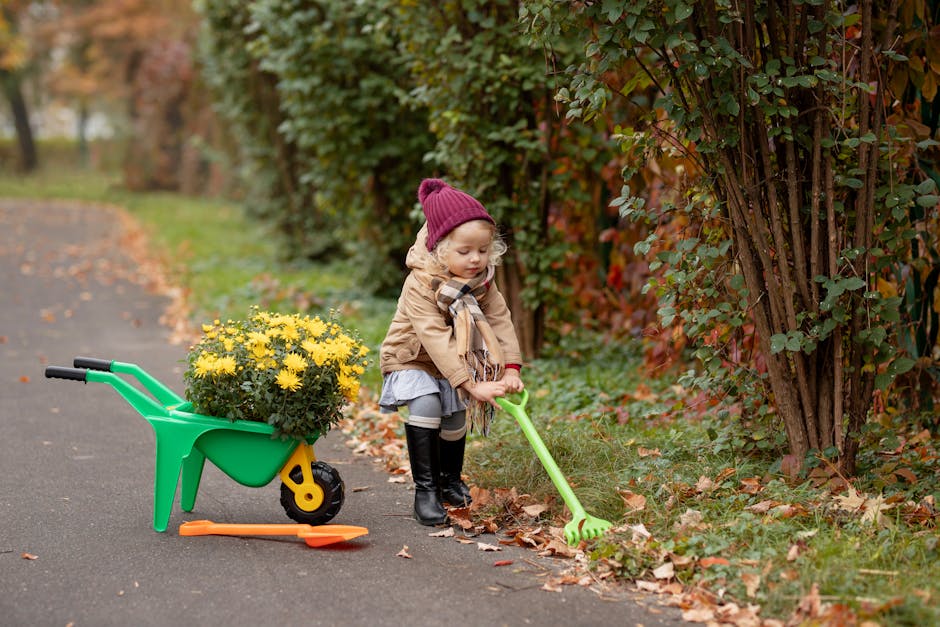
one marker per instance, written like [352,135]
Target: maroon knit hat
[446,208]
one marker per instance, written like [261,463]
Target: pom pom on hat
[446,208]
[427,186]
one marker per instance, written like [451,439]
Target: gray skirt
[401,386]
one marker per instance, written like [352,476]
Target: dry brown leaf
[751,583]
[724,474]
[648,452]
[444,533]
[502,562]
[699,615]
[665,571]
[750,485]
[648,586]
[761,508]
[404,553]
[704,484]
[483,546]
[29,556]
[632,501]
[24,379]
[534,511]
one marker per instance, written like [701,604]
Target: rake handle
[517,410]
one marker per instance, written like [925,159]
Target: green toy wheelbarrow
[312,492]
[582,524]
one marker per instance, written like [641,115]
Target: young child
[451,348]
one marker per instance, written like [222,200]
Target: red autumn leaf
[502,562]
[24,379]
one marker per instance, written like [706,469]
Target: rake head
[585,528]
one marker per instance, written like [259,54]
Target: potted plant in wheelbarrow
[259,393]
[292,373]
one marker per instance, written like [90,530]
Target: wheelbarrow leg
[174,442]
[192,474]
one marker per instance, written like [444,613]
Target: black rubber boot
[424,455]
[453,490]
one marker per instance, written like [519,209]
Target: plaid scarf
[477,345]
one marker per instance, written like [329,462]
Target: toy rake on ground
[582,525]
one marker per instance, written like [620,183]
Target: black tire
[334,493]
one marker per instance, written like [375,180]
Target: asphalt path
[77,465]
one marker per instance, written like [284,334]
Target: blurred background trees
[751,187]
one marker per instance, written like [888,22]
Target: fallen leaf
[397,479]
[690,517]
[724,474]
[750,485]
[751,583]
[483,546]
[634,502]
[3,339]
[647,452]
[24,379]
[698,615]
[502,562]
[536,510]
[404,553]
[707,562]
[665,571]
[29,556]
[704,484]
[444,533]
[360,488]
[761,508]
[793,552]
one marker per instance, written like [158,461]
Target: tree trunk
[29,158]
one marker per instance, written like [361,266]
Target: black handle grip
[61,372]
[92,364]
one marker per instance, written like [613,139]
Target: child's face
[468,249]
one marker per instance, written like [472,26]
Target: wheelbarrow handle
[61,372]
[92,363]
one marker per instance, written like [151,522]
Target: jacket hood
[418,255]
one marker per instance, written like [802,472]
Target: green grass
[612,430]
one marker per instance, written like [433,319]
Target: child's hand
[486,391]
[512,380]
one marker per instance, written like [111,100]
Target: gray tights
[425,411]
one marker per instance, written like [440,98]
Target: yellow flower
[315,327]
[290,333]
[229,344]
[226,365]
[256,337]
[287,380]
[294,362]
[349,386]
[204,364]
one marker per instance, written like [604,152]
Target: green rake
[582,525]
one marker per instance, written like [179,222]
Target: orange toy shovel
[313,535]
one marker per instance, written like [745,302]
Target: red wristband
[515,367]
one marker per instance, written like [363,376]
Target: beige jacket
[419,336]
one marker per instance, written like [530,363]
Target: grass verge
[693,517]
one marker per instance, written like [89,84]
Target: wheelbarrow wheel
[328,481]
